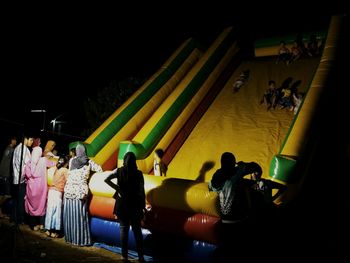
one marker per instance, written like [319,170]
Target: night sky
[59,58]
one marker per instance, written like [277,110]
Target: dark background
[55,58]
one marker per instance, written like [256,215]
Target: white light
[37,110]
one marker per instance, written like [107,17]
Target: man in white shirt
[21,158]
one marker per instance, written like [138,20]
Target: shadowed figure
[208,165]
[130,202]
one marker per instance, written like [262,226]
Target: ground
[18,243]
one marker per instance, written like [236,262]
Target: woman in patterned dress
[76,190]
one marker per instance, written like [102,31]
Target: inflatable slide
[236,122]
[102,145]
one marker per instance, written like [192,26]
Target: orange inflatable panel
[102,207]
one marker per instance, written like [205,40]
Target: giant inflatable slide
[188,108]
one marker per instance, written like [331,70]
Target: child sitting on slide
[241,80]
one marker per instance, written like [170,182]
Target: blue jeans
[124,235]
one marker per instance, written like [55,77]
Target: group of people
[286,96]
[61,208]
[64,204]
[286,55]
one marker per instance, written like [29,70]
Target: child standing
[53,220]
[159,167]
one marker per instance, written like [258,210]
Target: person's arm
[216,182]
[249,168]
[141,192]
[115,186]
[95,167]
[109,179]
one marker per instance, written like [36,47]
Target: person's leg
[20,203]
[124,236]
[14,193]
[136,229]
[32,222]
[41,220]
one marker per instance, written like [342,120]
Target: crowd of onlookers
[41,204]
[58,205]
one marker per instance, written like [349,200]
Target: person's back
[231,187]
[233,192]
[130,202]
[76,198]
[130,197]
[53,218]
[36,188]
[233,199]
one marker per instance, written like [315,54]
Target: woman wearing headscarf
[49,147]
[36,189]
[76,190]
[130,202]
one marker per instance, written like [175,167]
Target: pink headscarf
[36,142]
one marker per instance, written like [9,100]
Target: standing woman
[53,219]
[36,189]
[130,202]
[75,211]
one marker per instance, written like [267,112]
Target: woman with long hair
[130,202]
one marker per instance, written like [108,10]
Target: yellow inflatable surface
[238,123]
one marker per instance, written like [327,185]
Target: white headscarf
[81,159]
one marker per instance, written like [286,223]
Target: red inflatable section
[195,226]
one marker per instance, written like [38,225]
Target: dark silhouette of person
[130,202]
[233,191]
